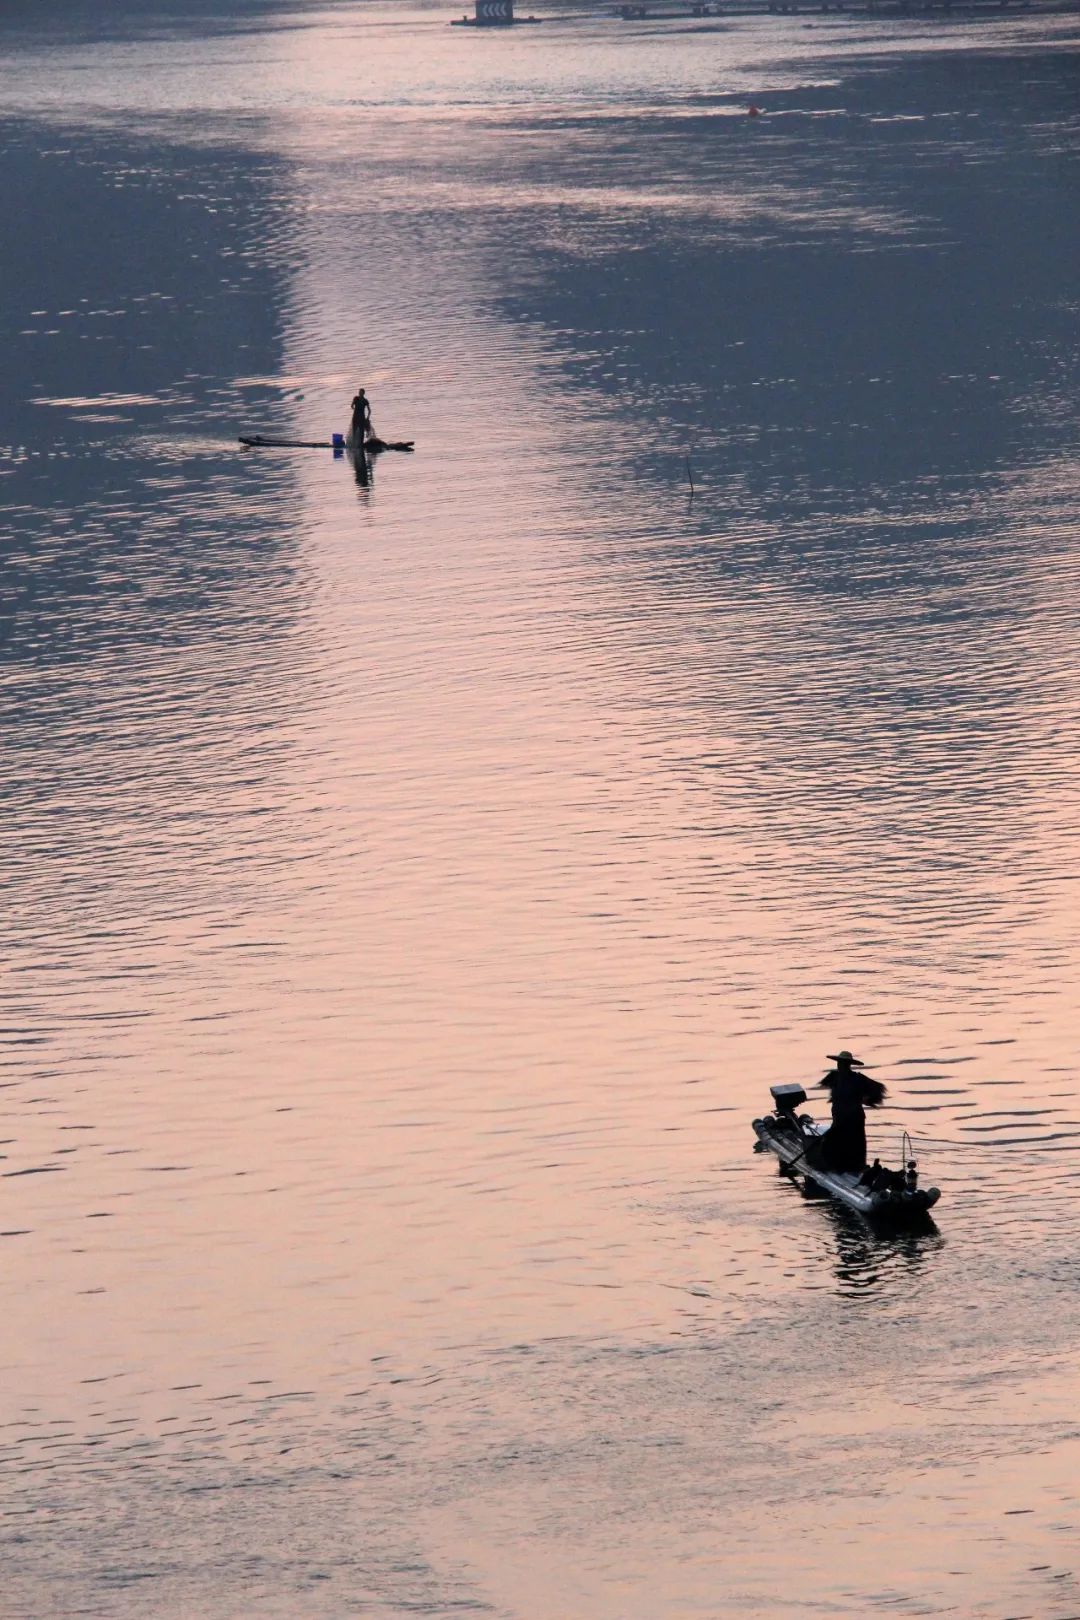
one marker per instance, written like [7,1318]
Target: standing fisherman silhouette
[843,1147]
[360,426]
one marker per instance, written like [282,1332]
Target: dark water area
[414,881]
[84,21]
[758,321]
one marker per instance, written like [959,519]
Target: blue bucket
[339,441]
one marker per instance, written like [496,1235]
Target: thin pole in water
[690,475]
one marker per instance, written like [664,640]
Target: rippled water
[412,889]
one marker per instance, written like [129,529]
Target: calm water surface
[411,889]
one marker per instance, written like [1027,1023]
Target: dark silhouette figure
[843,1147]
[360,426]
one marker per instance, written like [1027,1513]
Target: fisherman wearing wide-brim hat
[843,1147]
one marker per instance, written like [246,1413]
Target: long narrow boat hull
[373,446]
[258,441]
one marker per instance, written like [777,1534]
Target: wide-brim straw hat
[845,1057]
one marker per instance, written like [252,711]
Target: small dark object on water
[375,447]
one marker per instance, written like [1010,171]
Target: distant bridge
[641,10]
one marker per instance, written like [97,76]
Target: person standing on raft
[360,426]
[843,1147]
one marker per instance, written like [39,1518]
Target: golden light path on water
[418,875]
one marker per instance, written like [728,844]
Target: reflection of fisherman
[360,426]
[843,1147]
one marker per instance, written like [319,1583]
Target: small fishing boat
[373,446]
[795,1138]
